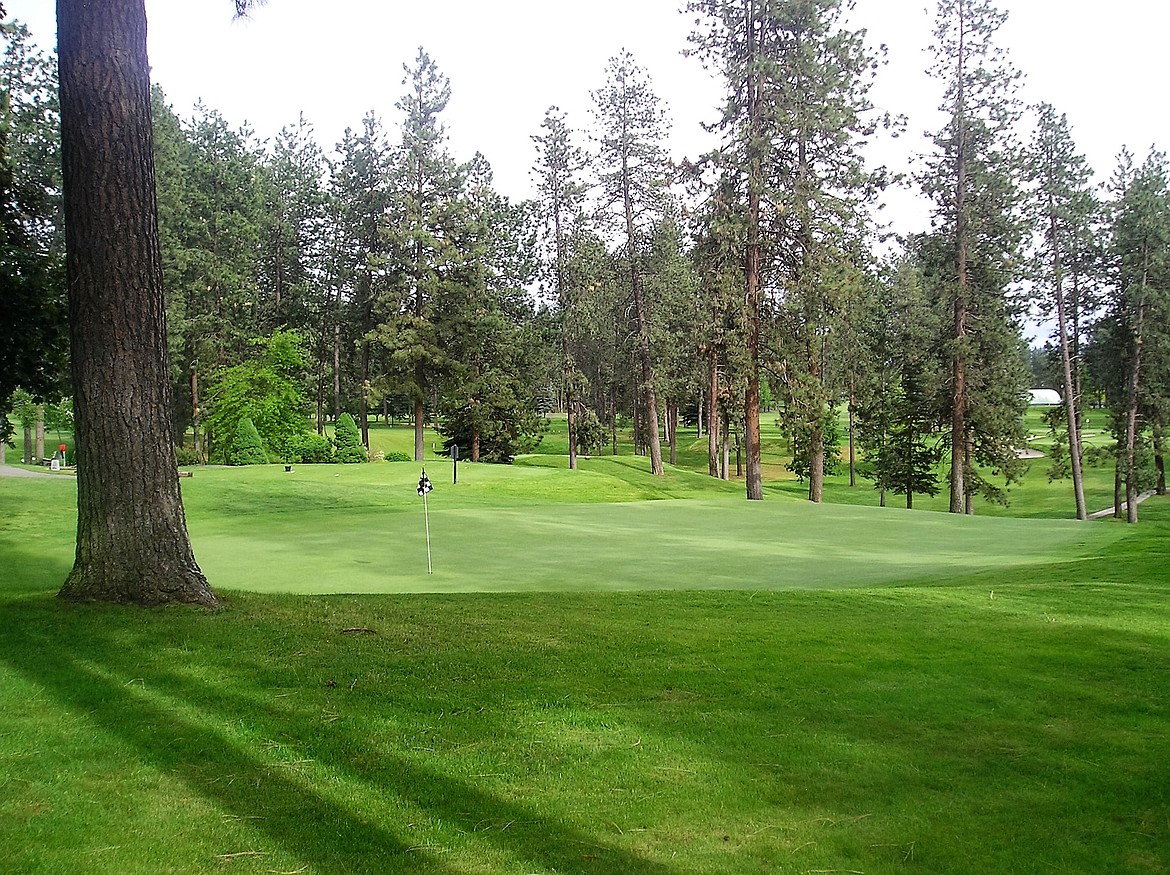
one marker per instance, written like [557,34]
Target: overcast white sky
[1101,63]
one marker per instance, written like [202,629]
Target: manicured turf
[774,688]
[329,529]
[996,725]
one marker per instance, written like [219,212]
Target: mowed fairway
[360,529]
[1005,709]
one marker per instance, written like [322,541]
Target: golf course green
[607,672]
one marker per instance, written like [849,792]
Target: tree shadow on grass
[179,726]
[31,571]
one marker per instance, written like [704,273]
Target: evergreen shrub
[247,448]
[590,433]
[349,441]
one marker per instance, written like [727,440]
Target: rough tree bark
[39,434]
[958,481]
[132,542]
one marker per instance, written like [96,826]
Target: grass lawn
[673,682]
[360,529]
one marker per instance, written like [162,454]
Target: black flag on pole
[424,486]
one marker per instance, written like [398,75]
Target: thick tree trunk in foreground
[132,543]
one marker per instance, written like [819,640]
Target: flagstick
[427,519]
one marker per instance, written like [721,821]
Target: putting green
[360,529]
[711,543]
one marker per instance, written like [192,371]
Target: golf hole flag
[424,486]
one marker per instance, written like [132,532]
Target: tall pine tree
[972,179]
[632,171]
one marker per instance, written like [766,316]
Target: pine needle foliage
[349,441]
[247,448]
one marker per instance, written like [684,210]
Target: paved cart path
[1109,511]
[10,471]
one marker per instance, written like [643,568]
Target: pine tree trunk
[39,434]
[852,446]
[132,542]
[1131,429]
[1160,460]
[713,419]
[753,480]
[725,468]
[196,412]
[653,440]
[419,413]
[568,371]
[613,426]
[959,362]
[672,430]
[968,465]
[336,374]
[816,465]
[321,349]
[1132,399]
[364,413]
[1075,351]
[1070,397]
[572,416]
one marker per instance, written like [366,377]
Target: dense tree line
[385,277]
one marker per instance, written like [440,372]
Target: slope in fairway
[531,540]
